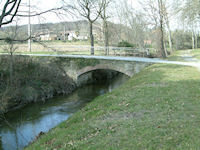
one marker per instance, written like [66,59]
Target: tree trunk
[193,40]
[196,41]
[11,68]
[170,36]
[1,145]
[91,38]
[162,48]
[106,39]
[166,54]
[168,28]
[64,34]
[170,41]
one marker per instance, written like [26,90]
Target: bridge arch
[101,67]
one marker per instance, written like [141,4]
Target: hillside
[117,32]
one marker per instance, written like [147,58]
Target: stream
[22,126]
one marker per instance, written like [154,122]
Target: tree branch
[4,14]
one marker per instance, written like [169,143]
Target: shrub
[182,40]
[125,44]
[32,81]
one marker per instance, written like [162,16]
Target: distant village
[48,35]
[67,35]
[78,31]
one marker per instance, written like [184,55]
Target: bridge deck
[120,58]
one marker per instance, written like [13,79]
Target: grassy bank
[33,79]
[156,109]
[175,56]
[49,46]
[196,53]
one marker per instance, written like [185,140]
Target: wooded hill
[117,32]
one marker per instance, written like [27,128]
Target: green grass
[196,53]
[175,56]
[49,46]
[158,108]
[62,53]
[68,42]
[33,79]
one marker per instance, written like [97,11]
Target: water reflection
[23,125]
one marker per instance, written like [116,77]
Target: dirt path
[186,55]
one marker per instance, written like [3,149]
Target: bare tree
[189,13]
[9,11]
[123,30]
[10,47]
[136,22]
[167,22]
[11,38]
[104,16]
[154,13]
[91,10]
[161,16]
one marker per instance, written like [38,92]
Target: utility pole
[29,27]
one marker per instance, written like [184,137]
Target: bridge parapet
[76,67]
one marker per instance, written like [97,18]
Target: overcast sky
[43,5]
[39,6]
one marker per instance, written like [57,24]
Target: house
[48,37]
[71,35]
[82,36]
[68,35]
[147,42]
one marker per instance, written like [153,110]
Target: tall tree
[136,22]
[154,12]
[161,17]
[167,22]
[189,13]
[90,10]
[104,16]
[11,37]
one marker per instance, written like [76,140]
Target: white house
[48,37]
[71,36]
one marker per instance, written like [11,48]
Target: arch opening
[98,76]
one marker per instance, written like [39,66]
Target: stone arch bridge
[77,65]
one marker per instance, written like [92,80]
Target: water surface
[22,126]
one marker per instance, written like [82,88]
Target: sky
[40,6]
[43,5]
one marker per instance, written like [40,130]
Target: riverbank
[195,53]
[44,116]
[30,79]
[156,109]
